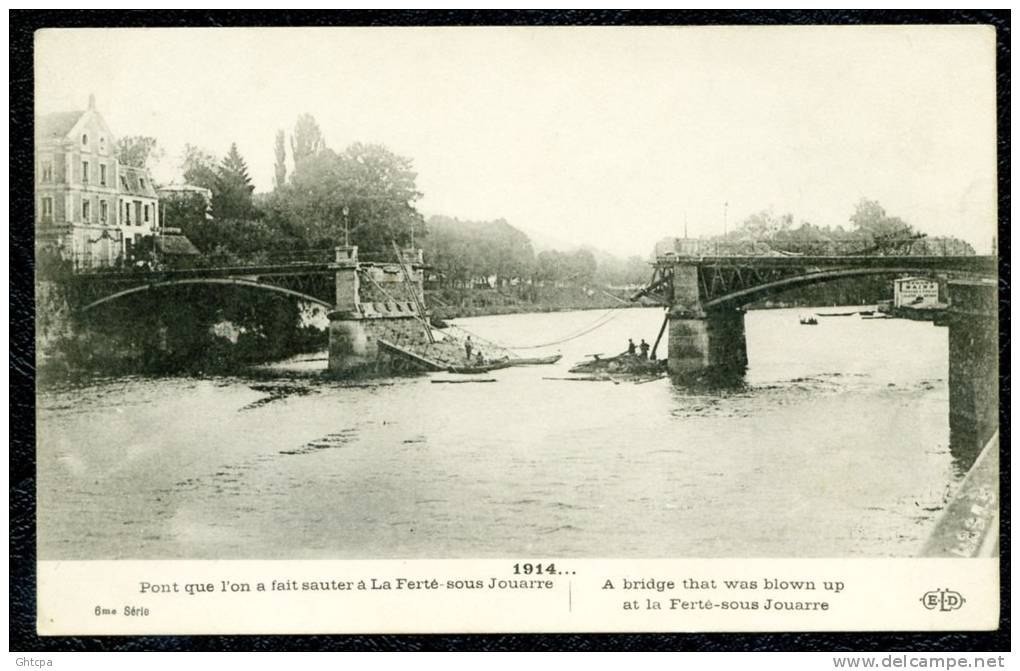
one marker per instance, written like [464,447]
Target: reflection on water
[836,444]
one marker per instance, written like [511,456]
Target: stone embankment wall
[65,342]
[53,319]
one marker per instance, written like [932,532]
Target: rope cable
[598,323]
[572,337]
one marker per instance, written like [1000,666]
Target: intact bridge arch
[705,294]
[210,281]
[750,294]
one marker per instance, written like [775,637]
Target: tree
[237,241]
[871,221]
[764,225]
[232,197]
[381,193]
[307,139]
[367,188]
[614,271]
[464,253]
[138,151]
[549,266]
[184,210]
[198,167]
[280,167]
[581,267]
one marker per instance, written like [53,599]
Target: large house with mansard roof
[88,206]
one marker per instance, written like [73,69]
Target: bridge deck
[266,270]
[222,271]
[982,264]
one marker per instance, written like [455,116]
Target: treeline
[870,230]
[364,195]
[465,254]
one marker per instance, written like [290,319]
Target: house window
[47,172]
[84,139]
[124,183]
[102,144]
[86,210]
[141,181]
[102,174]
[103,211]
[127,213]
[85,172]
[47,207]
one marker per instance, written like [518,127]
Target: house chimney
[92,101]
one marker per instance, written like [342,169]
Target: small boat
[535,361]
[866,313]
[836,314]
[473,369]
[808,321]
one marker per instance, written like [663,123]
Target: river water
[836,446]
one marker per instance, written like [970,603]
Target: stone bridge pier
[374,301]
[973,320]
[702,341]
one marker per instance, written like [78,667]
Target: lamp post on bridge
[347,226]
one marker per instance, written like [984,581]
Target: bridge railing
[915,245]
[90,264]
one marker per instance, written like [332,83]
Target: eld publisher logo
[944,600]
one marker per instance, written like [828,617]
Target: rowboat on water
[478,368]
[836,314]
[536,360]
[808,321]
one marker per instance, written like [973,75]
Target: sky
[607,136]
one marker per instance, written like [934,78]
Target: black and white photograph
[450,293]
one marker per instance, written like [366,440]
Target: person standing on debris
[644,349]
[631,347]
[468,346]
[479,359]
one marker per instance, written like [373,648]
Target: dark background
[22,356]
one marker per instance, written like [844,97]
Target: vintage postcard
[529,329]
